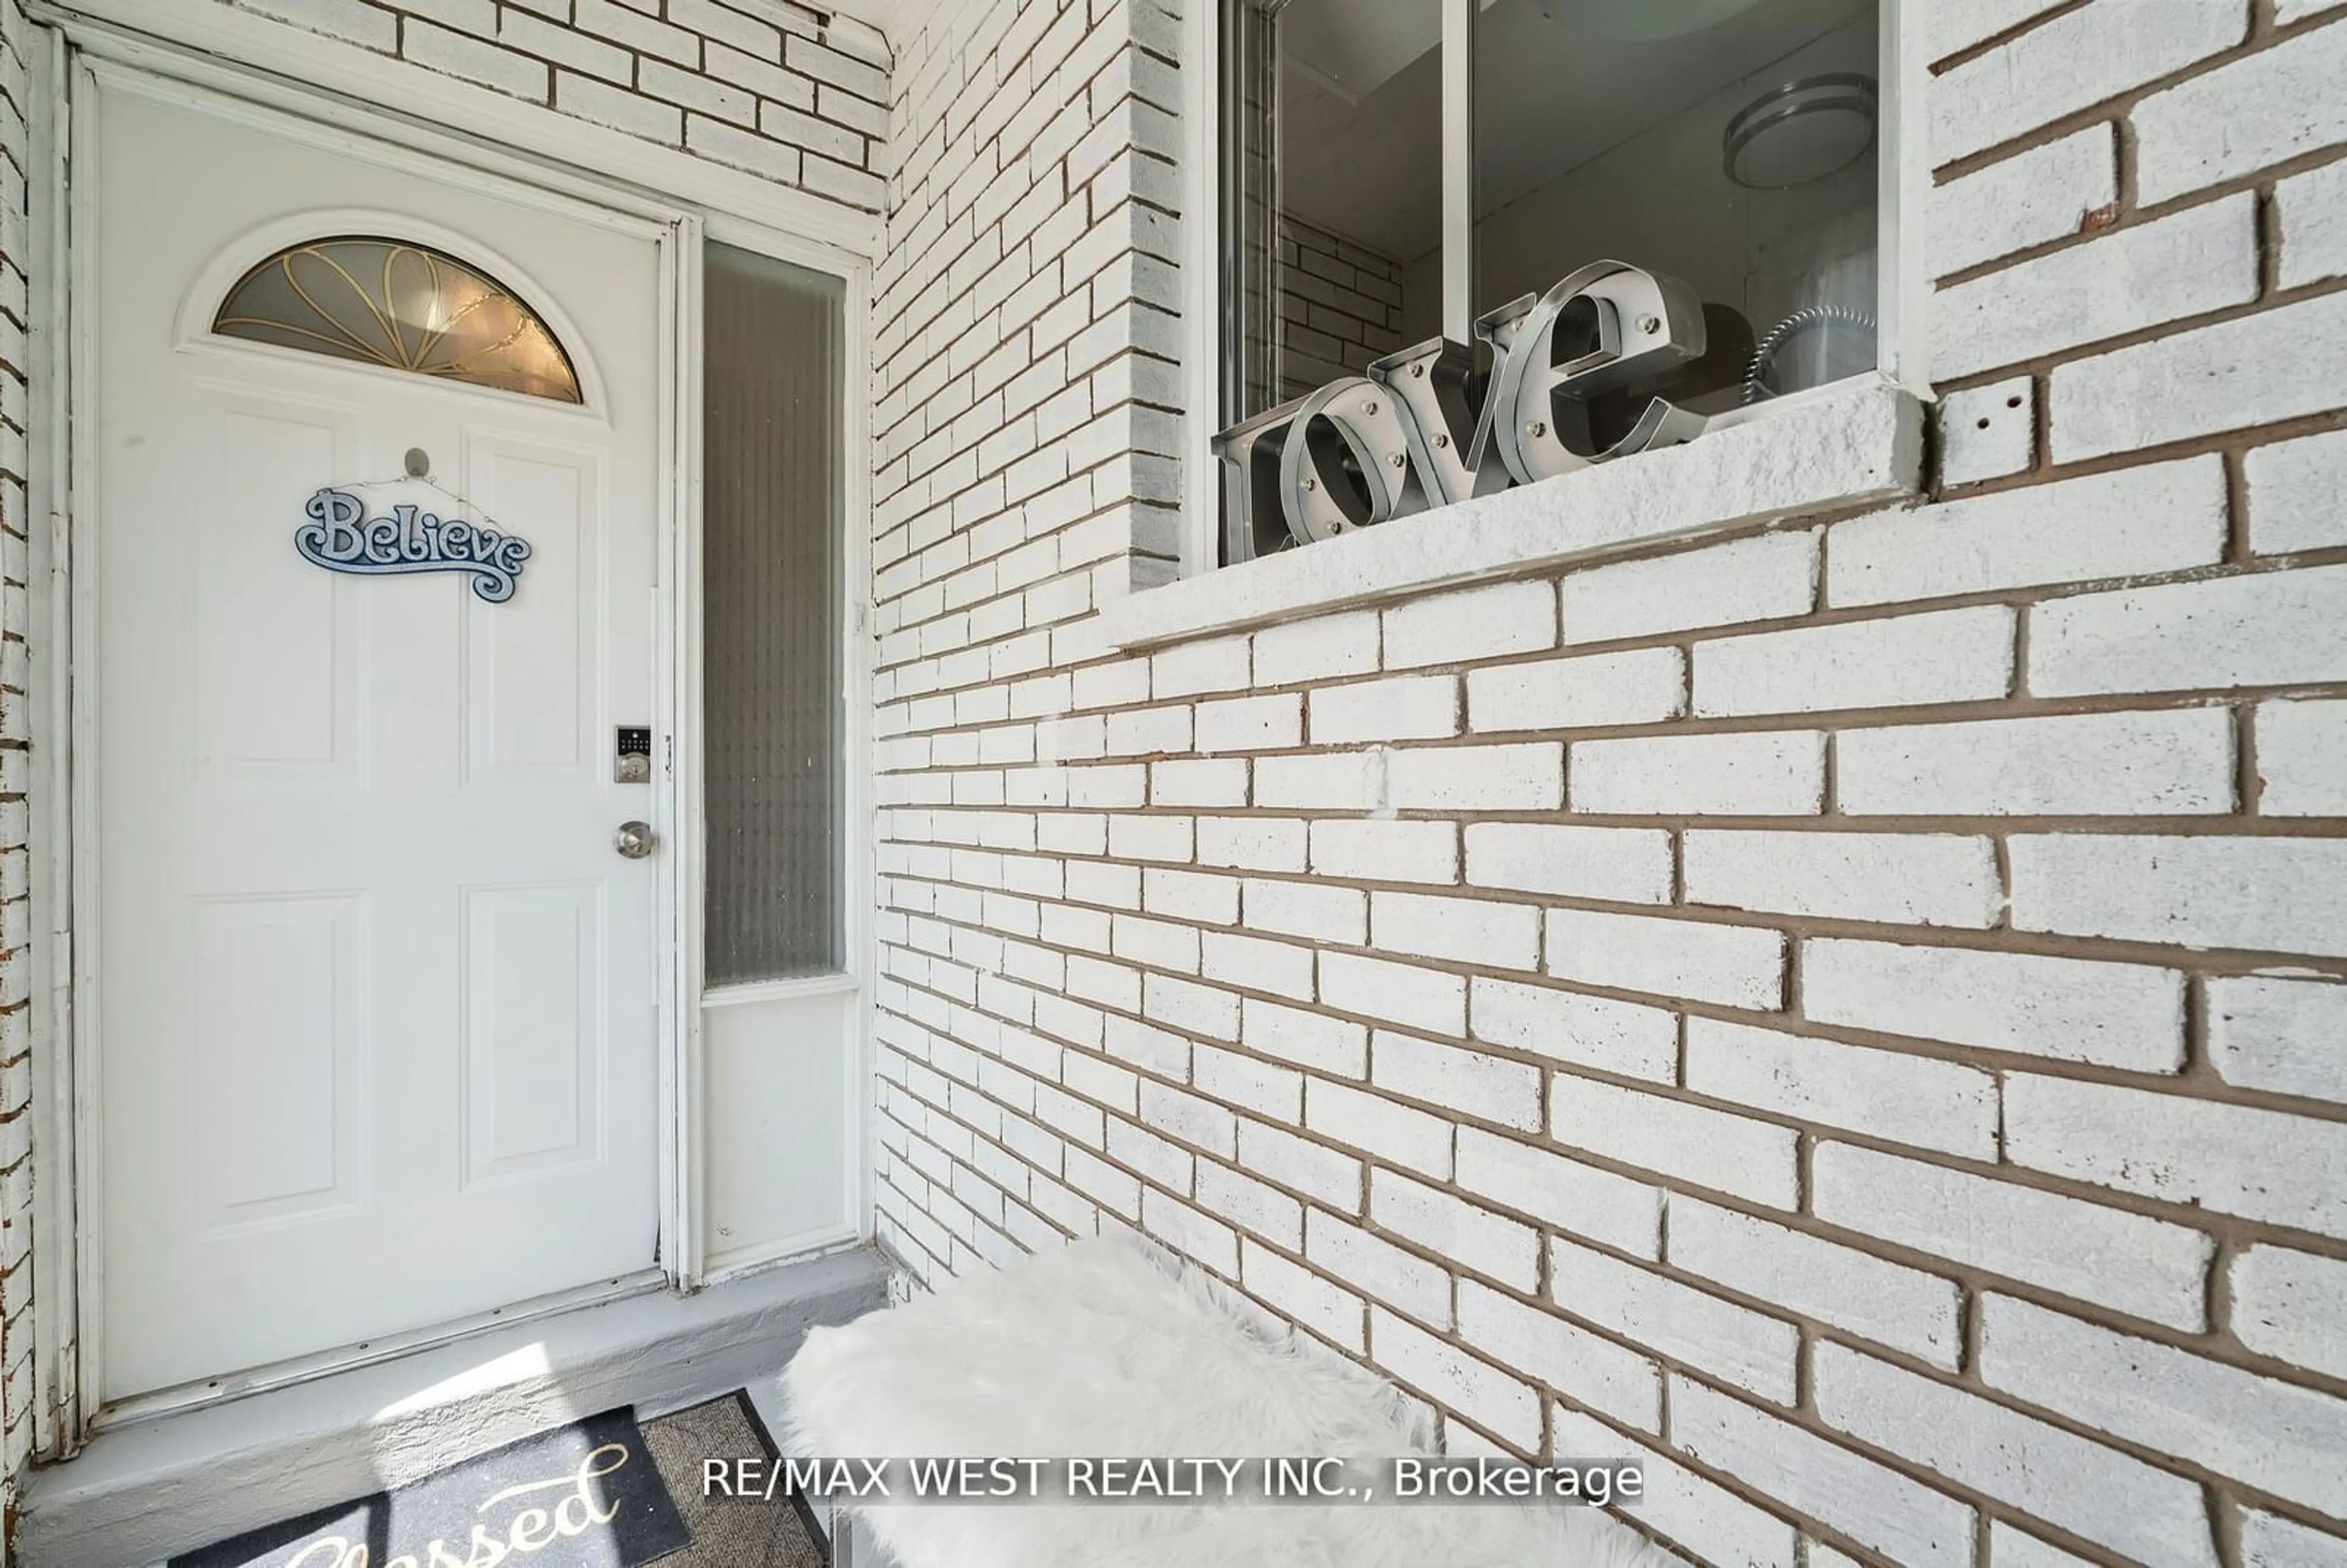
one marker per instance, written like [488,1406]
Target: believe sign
[1365,449]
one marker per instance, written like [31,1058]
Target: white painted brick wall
[1585,1366]
[2081,57]
[1370,1122]
[1297,1293]
[1389,851]
[1737,966]
[1263,987]
[1926,879]
[1412,708]
[1468,1083]
[1471,930]
[1696,1514]
[1478,623]
[2294,487]
[1637,687]
[2270,1541]
[2038,195]
[2280,1438]
[1714,1335]
[20,426]
[2119,1015]
[2275,895]
[2163,517]
[2275,364]
[1384,1272]
[2249,115]
[2292,1305]
[2012,1547]
[1490,1244]
[1623,865]
[1317,650]
[1951,656]
[2302,759]
[2146,1267]
[1987,432]
[2267,629]
[1885,1095]
[809,109]
[2313,209]
[2175,762]
[1529,776]
[1339,781]
[1879,1507]
[1626,1039]
[1712,1149]
[1893,1305]
[1762,579]
[1954,25]
[1474,1387]
[1740,774]
[2068,1481]
[2199,260]
[2286,1035]
[2234,1159]
[1417,997]
[1250,724]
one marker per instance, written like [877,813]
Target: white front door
[375,1003]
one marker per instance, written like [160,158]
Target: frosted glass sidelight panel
[773,525]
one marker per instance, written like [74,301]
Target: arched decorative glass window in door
[405,306]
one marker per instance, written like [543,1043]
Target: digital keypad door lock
[631,755]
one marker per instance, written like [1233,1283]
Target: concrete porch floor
[141,1492]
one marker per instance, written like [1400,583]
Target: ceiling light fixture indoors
[1801,131]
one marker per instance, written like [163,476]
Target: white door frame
[283,78]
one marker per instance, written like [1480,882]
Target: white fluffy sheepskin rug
[1096,1351]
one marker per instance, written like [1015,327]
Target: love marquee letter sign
[1402,439]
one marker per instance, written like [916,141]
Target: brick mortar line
[2000,38]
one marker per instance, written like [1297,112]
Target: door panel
[276,641]
[529,687]
[280,1046]
[376,1006]
[533,1028]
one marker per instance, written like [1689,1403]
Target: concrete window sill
[1842,445]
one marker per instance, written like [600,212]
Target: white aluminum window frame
[1902,176]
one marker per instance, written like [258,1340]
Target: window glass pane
[403,306]
[1334,108]
[772,531]
[1729,143]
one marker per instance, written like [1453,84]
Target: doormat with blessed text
[587,1495]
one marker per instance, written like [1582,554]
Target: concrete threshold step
[140,1492]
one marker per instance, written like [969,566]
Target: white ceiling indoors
[1559,82]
